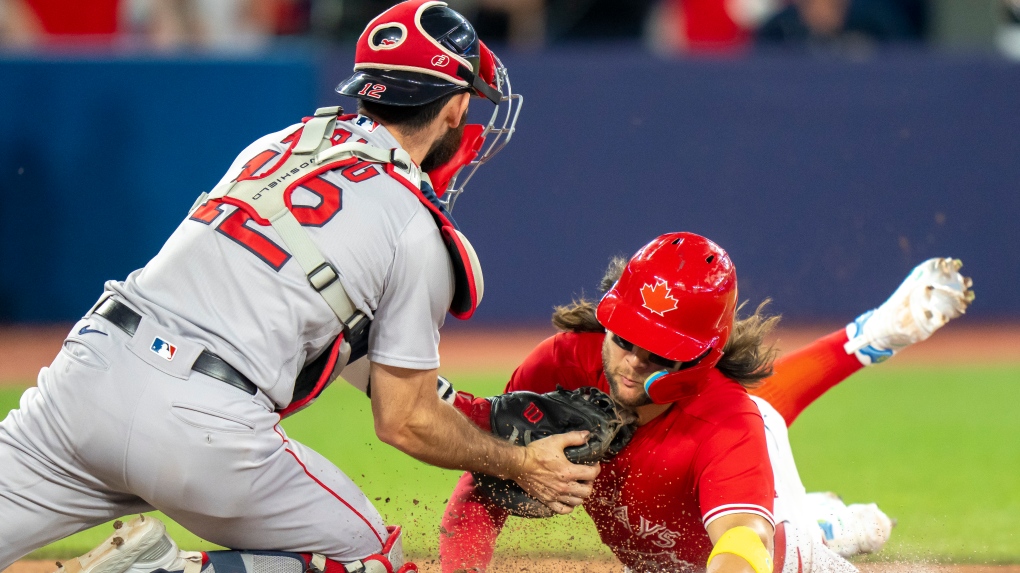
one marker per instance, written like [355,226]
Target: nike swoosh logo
[86,330]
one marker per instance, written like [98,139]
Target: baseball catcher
[708,479]
[324,242]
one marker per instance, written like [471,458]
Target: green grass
[936,448]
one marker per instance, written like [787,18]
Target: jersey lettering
[343,136]
[360,171]
[236,229]
[207,212]
[235,226]
[660,534]
[256,163]
[330,197]
[646,528]
[340,136]
[620,513]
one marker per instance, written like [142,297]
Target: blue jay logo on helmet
[387,36]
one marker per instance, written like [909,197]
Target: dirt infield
[505,565]
[26,349]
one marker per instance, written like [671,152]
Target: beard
[630,401]
[444,148]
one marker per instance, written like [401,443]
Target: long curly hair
[746,357]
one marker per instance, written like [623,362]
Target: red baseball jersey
[703,458]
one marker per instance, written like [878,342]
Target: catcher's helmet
[676,298]
[417,52]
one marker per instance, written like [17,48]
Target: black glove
[523,417]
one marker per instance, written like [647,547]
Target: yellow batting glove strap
[744,543]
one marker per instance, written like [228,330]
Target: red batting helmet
[417,52]
[676,298]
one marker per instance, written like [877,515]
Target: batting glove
[934,293]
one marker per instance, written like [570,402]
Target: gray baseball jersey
[121,423]
[229,285]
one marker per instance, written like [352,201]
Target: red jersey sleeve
[733,469]
[567,359]
[476,409]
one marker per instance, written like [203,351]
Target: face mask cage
[495,136]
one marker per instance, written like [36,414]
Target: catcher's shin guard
[140,545]
[390,560]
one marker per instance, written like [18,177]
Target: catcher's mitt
[523,417]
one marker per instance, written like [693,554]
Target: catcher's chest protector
[267,199]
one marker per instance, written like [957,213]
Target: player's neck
[415,145]
[649,412]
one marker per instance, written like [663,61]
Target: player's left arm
[932,294]
[741,543]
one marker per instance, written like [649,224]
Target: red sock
[801,377]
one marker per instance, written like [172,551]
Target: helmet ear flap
[664,387]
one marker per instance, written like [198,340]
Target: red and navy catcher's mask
[417,52]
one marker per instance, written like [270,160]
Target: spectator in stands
[706,25]
[218,24]
[41,22]
[1008,36]
[810,22]
[163,24]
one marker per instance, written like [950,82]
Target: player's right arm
[410,417]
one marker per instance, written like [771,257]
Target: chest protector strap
[266,198]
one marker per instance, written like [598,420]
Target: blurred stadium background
[828,145]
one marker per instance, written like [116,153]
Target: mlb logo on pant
[163,348]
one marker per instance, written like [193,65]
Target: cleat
[137,546]
[850,530]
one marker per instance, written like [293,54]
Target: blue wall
[826,180]
[101,159]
